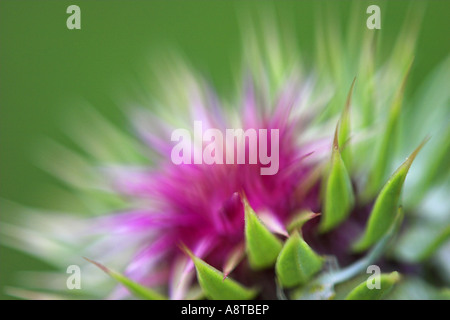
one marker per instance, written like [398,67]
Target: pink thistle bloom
[198,205]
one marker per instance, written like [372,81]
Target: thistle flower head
[201,205]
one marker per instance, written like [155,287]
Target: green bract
[297,262]
[338,191]
[386,205]
[135,288]
[363,292]
[262,246]
[216,286]
[385,152]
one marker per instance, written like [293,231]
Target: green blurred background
[46,69]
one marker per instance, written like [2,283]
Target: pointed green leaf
[297,262]
[338,199]
[344,130]
[345,127]
[385,151]
[215,285]
[136,289]
[385,207]
[300,219]
[262,246]
[362,291]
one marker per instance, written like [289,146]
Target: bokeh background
[46,70]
